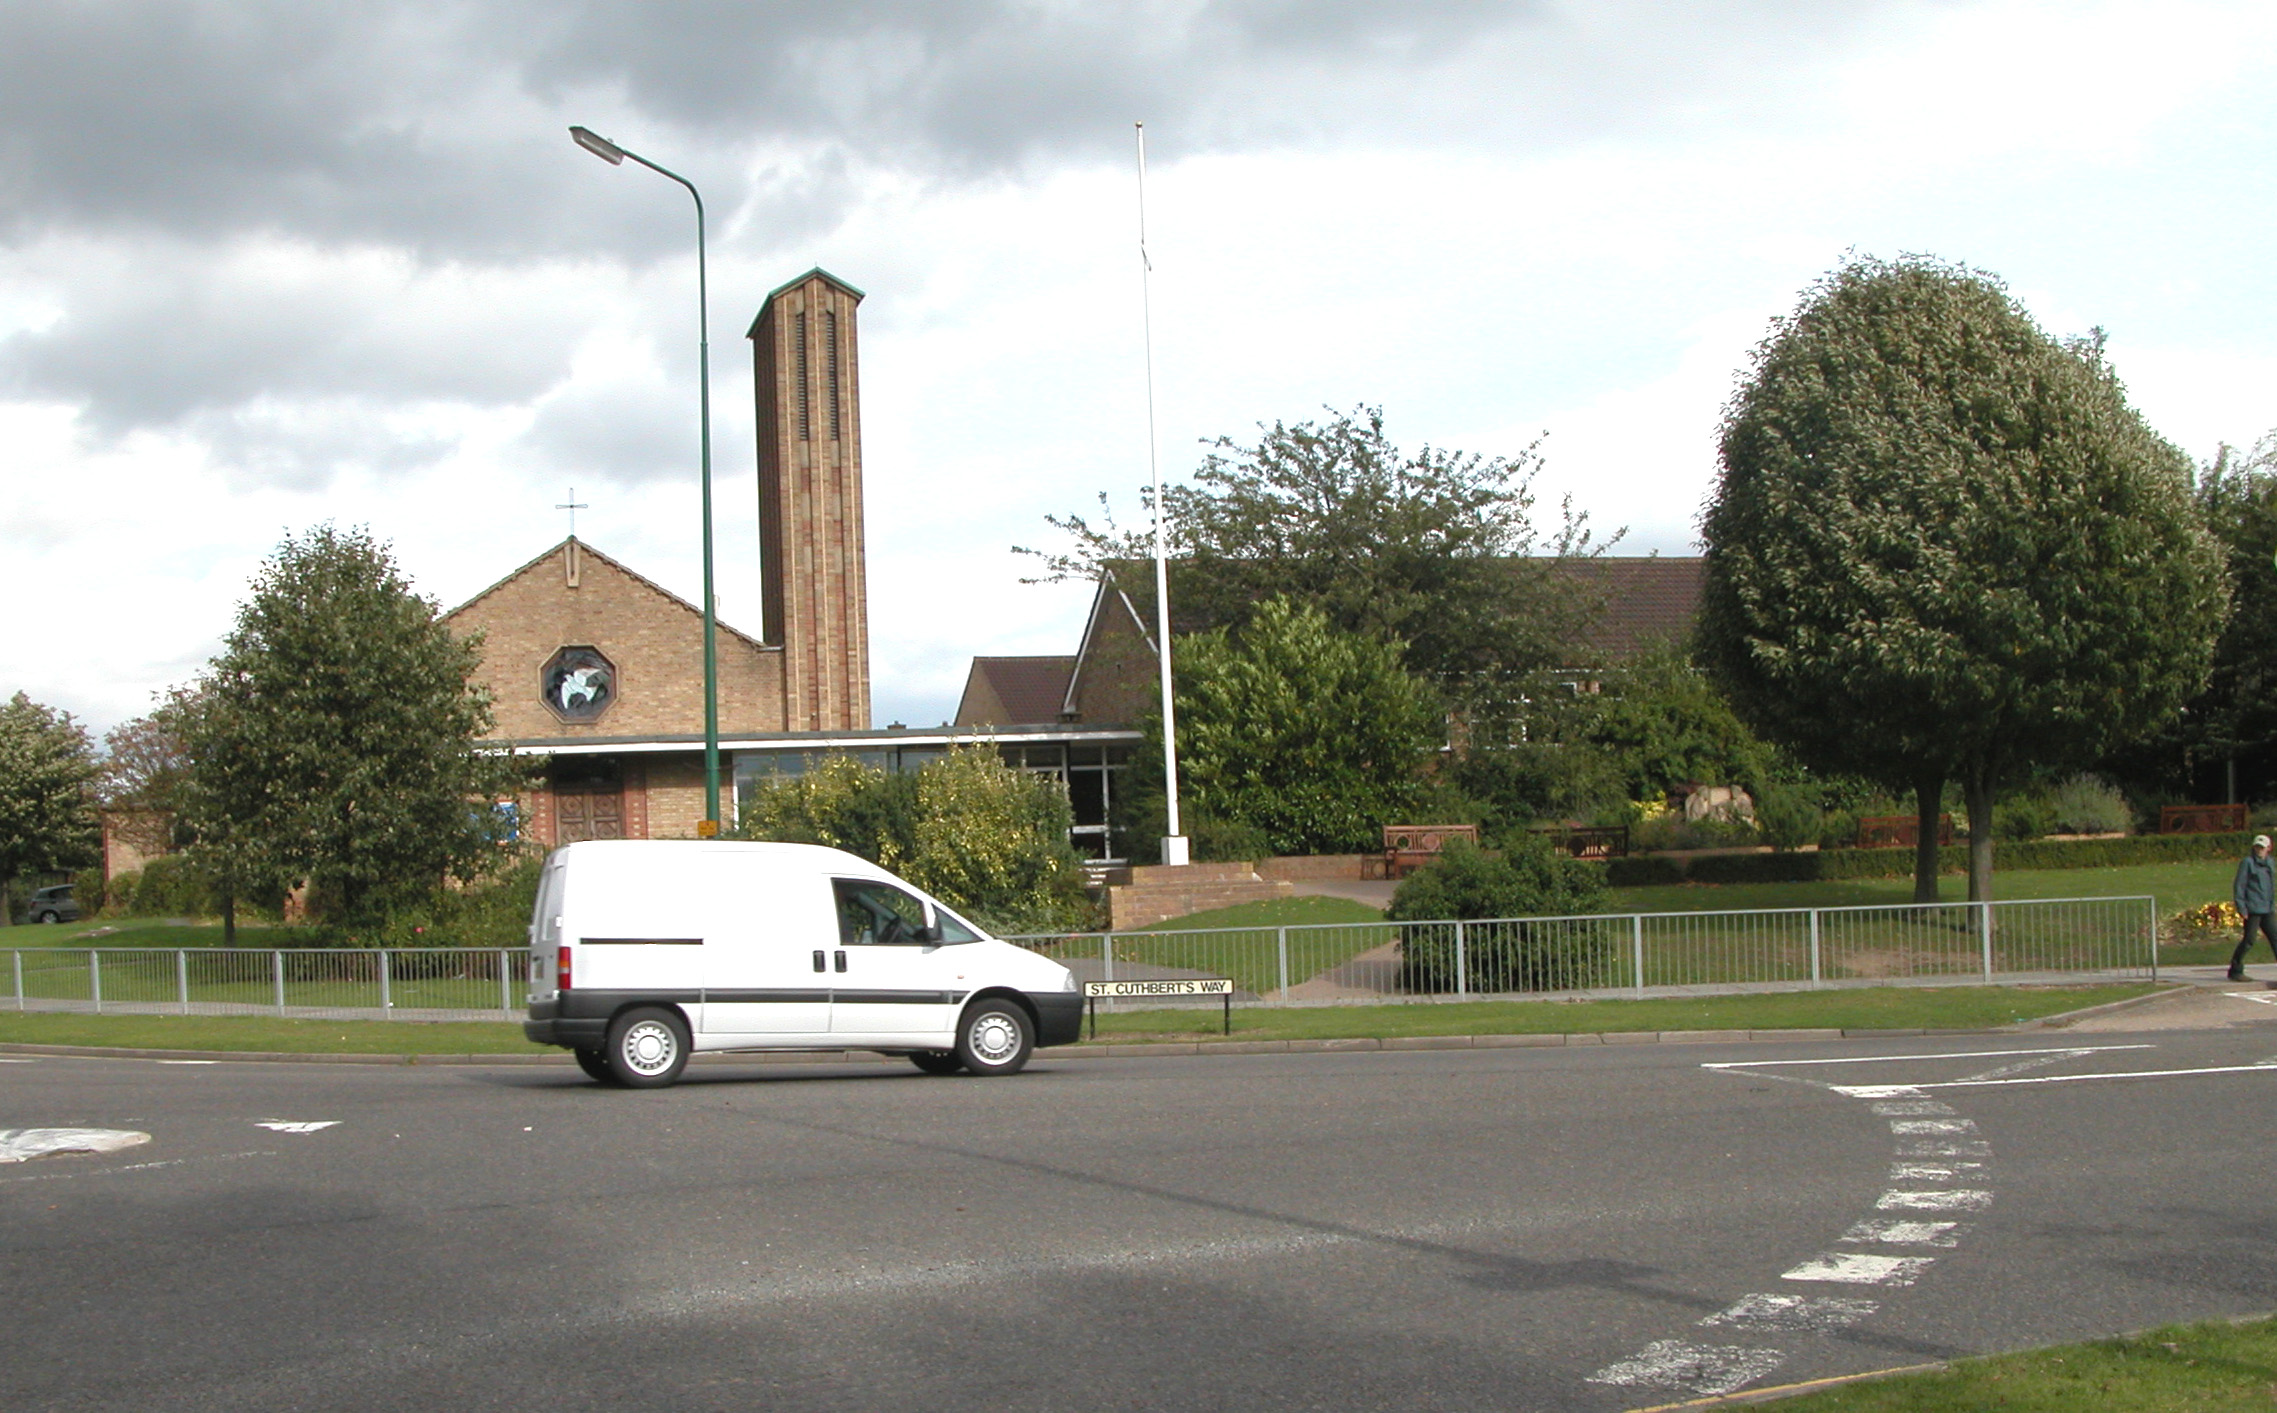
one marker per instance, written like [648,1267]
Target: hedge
[1648,870]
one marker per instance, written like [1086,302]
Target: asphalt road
[1599,1228]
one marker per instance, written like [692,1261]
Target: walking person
[2255,893]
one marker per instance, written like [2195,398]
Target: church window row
[829,370]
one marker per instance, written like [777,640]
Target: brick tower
[816,605]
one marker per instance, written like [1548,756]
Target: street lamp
[615,156]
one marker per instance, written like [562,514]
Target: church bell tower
[816,604]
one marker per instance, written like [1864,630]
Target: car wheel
[995,1038]
[595,1063]
[48,917]
[648,1047]
[937,1061]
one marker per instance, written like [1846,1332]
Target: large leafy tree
[1943,546]
[1309,735]
[336,736]
[1434,549]
[47,777]
[2236,716]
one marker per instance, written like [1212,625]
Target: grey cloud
[623,434]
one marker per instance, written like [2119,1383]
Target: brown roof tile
[1014,691]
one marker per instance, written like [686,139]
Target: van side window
[876,913]
[952,929]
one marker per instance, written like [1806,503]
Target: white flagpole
[1174,844]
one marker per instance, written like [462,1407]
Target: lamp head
[599,146]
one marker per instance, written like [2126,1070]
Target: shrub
[172,885]
[489,912]
[1228,841]
[2088,804]
[1528,879]
[1637,872]
[1837,829]
[1788,816]
[2022,817]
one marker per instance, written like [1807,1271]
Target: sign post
[1218,986]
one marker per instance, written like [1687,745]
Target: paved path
[1592,1229]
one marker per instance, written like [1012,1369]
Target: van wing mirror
[930,933]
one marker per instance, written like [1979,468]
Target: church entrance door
[588,801]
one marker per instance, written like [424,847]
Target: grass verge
[305,1037]
[1867,1008]
[2213,1366]
[1274,912]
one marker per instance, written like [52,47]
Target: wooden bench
[2201,819]
[1590,841]
[1408,847]
[1899,831]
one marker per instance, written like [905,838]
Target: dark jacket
[2255,890]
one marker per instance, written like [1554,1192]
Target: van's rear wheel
[995,1038]
[595,1063]
[936,1062]
[648,1047]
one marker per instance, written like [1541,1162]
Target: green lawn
[2210,1367]
[1880,1008]
[1866,1008]
[142,932]
[270,1034]
[2175,885]
[1276,912]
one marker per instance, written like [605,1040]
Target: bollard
[1984,935]
[1462,972]
[1816,976]
[95,976]
[182,979]
[277,975]
[1282,941]
[386,988]
[1636,948]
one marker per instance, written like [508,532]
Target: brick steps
[1157,891]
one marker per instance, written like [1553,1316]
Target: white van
[645,951]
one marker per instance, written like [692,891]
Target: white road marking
[1951,1199]
[1949,1055]
[1906,1126]
[1892,1232]
[1944,1148]
[133,1167]
[17,1060]
[2034,1063]
[1876,1091]
[2264,997]
[1940,1172]
[1857,1268]
[19,1145]
[295,1125]
[1899,1108]
[1793,1314]
[189,1062]
[1704,1369]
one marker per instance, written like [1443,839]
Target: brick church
[600,669]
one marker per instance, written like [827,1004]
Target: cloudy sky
[268,264]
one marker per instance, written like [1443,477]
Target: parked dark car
[53,905]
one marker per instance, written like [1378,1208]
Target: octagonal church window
[578,683]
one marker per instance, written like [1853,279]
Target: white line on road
[1706,1369]
[1940,1172]
[1857,1268]
[1889,1231]
[1942,1055]
[1899,1108]
[1951,1199]
[1872,1091]
[135,1167]
[1918,1126]
[189,1062]
[295,1125]
[1793,1314]
[19,1145]
[1944,1148]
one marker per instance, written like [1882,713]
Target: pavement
[1587,1228]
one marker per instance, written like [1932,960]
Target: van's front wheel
[995,1038]
[648,1047]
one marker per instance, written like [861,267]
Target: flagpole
[1174,844]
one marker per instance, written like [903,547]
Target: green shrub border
[1649,870]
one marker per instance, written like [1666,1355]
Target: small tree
[1434,549]
[1311,736]
[337,737]
[1943,546]
[1528,879]
[988,840]
[47,776]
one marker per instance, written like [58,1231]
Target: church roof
[788,285]
[1649,600]
[1015,691]
[554,553]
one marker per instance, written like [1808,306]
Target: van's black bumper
[579,1020]
[1059,1016]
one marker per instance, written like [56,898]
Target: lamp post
[615,156]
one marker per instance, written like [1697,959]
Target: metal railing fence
[1635,953]
[1299,964]
[453,983]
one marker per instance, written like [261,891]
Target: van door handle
[842,961]
[818,961]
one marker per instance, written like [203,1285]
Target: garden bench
[2201,819]
[1408,847]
